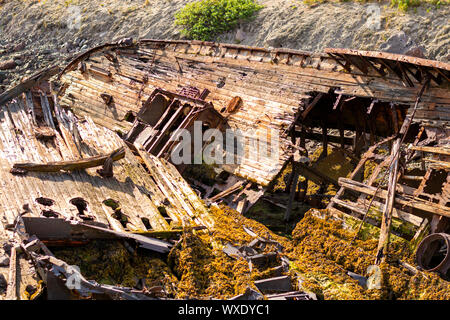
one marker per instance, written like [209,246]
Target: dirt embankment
[35,34]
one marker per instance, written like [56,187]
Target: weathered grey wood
[361,209]
[73,164]
[386,220]
[439,150]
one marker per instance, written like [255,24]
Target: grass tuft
[204,19]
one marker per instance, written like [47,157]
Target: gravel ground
[36,34]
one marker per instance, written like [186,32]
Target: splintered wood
[62,170]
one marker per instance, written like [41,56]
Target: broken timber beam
[228,191]
[386,221]
[360,166]
[311,105]
[439,150]
[34,80]
[72,164]
[403,199]
[361,209]
[437,164]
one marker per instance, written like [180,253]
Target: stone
[403,44]
[397,43]
[417,52]
[19,47]
[7,65]
[273,42]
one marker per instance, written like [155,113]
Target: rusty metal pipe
[433,253]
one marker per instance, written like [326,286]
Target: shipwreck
[86,156]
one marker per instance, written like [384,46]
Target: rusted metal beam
[391,56]
[370,63]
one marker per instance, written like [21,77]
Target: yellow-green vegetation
[335,165]
[203,269]
[204,19]
[322,254]
[204,173]
[109,262]
[402,5]
[206,272]
[406,4]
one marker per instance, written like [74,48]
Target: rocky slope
[35,34]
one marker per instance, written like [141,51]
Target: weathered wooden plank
[71,164]
[439,150]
